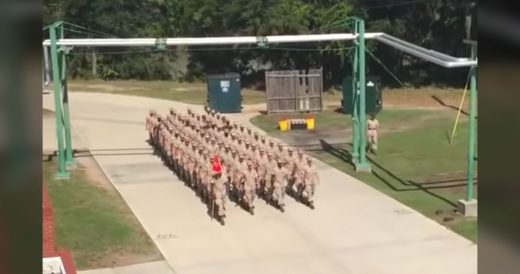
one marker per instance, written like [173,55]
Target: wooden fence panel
[294,91]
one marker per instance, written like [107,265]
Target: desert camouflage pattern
[252,164]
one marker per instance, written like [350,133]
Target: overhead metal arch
[433,56]
[59,47]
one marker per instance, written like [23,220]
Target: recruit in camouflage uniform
[280,175]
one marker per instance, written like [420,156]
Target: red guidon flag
[217,167]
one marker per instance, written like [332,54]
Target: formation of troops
[221,160]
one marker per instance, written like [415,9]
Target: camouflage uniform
[270,167]
[280,176]
[311,181]
[249,187]
[151,119]
[218,193]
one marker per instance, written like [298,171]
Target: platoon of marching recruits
[220,160]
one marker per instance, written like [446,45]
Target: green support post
[62,171]
[363,164]
[69,160]
[355,103]
[471,125]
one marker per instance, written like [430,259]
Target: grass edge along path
[400,171]
[191,93]
[94,223]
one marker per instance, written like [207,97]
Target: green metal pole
[69,160]
[71,163]
[363,163]
[355,102]
[471,125]
[62,172]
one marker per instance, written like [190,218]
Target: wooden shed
[294,90]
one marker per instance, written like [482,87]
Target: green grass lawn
[415,163]
[193,93]
[94,223]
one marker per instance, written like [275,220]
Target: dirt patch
[94,173]
[421,98]
[109,88]
[185,89]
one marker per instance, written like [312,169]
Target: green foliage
[435,24]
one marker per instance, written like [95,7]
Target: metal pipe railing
[415,50]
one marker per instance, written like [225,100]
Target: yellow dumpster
[310,123]
[283,124]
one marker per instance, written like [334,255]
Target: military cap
[289,149]
[242,126]
[269,154]
[248,129]
[152,111]
[249,163]
[280,161]
[300,151]
[309,160]
[261,150]
[241,156]
[280,145]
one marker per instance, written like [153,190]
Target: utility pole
[359,111]
[61,104]
[62,172]
[468,207]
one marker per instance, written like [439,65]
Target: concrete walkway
[354,229]
[159,267]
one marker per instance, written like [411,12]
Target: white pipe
[437,54]
[199,41]
[426,54]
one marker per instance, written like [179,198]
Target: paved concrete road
[161,267]
[354,229]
